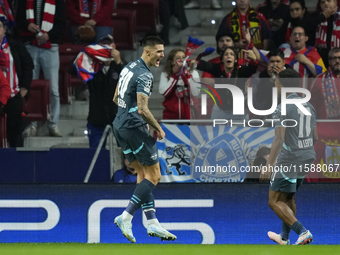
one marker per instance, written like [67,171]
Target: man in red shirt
[94,13]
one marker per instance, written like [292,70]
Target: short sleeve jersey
[134,78]
[298,145]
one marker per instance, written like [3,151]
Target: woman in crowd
[230,73]
[178,87]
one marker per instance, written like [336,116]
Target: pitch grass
[162,249]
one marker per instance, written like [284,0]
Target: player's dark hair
[263,151]
[276,53]
[152,41]
[289,78]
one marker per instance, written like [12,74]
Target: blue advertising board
[224,213]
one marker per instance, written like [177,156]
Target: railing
[107,132]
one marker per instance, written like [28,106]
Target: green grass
[163,249]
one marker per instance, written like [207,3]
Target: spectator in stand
[277,14]
[231,72]
[179,87]
[222,41]
[6,14]
[327,36]
[299,16]
[167,9]
[326,89]
[5,92]
[263,82]
[125,175]
[42,24]
[305,60]
[93,13]
[16,65]
[193,4]
[242,17]
[102,87]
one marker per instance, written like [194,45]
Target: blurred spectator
[167,9]
[298,16]
[255,170]
[263,82]
[178,87]
[5,92]
[327,34]
[6,14]
[228,68]
[193,4]
[326,89]
[277,14]
[102,87]
[260,160]
[93,13]
[244,14]
[42,26]
[305,60]
[223,40]
[125,175]
[16,65]
[263,151]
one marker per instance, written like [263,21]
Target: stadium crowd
[254,44]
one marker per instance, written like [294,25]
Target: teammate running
[294,147]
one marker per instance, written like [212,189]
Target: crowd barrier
[231,213]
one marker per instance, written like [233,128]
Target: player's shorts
[289,177]
[137,144]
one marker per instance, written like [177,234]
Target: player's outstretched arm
[115,97]
[315,136]
[278,141]
[143,110]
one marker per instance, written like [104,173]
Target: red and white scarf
[84,8]
[321,33]
[330,94]
[8,67]
[91,60]
[47,21]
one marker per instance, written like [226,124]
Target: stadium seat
[147,14]
[3,139]
[37,106]
[67,53]
[124,29]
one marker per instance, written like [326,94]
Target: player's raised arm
[145,113]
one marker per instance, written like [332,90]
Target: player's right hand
[160,134]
